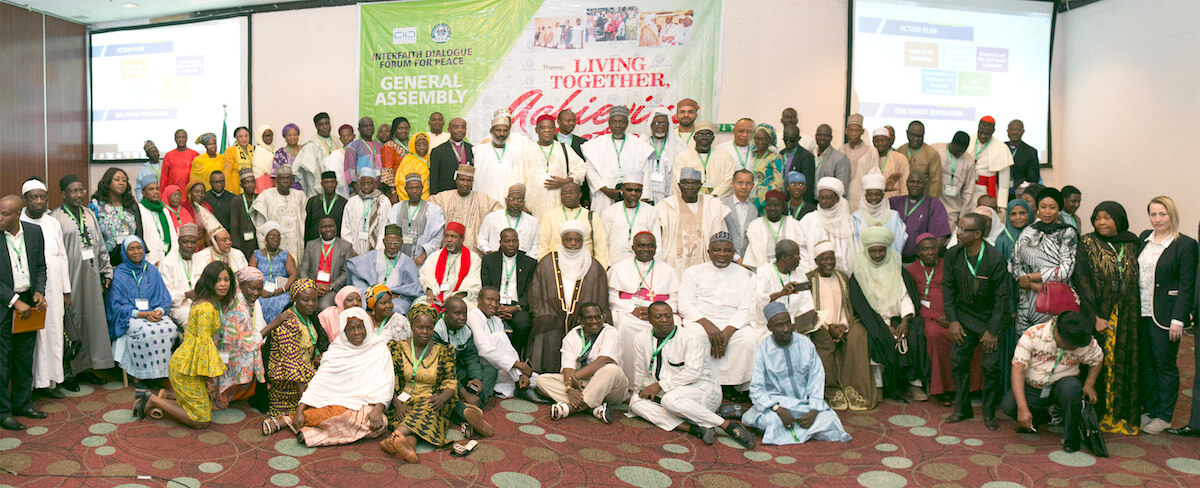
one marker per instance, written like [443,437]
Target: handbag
[1089,430]
[1056,297]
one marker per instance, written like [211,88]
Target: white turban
[633,177]
[269,226]
[822,248]
[874,180]
[572,226]
[32,185]
[832,184]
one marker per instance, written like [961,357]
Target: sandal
[139,404]
[474,416]
[559,411]
[155,413]
[274,424]
[601,412]
[461,449]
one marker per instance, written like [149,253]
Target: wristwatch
[775,408]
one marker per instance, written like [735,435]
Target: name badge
[87,253]
[269,287]
[506,301]
[657,177]
[925,304]
[247,236]
[950,190]
[409,240]
[323,276]
[142,304]
[281,282]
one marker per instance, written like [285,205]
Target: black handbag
[1089,429]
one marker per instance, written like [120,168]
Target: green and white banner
[472,58]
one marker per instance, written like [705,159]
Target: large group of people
[390,284]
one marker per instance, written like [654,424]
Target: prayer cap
[705,125]
[854,119]
[501,117]
[66,181]
[874,180]
[465,170]
[244,172]
[32,184]
[687,102]
[249,273]
[393,230]
[774,194]
[544,117]
[925,235]
[774,308]
[328,174]
[300,286]
[961,139]
[189,229]
[823,247]
[832,184]
[456,227]
[284,170]
[882,131]
[618,110]
[877,235]
[633,177]
[413,177]
[269,226]
[690,174]
[720,236]
[368,172]
[517,188]
[572,226]
[988,119]
[796,177]
[319,116]
[345,126]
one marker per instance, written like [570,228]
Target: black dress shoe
[49,393]
[70,384]
[957,417]
[533,396]
[30,413]
[992,424]
[90,378]
[743,436]
[1071,446]
[9,423]
[1185,431]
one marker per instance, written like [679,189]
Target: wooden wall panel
[66,103]
[22,127]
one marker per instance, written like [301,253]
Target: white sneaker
[1146,420]
[1156,426]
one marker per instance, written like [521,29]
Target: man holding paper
[22,283]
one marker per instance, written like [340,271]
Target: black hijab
[1048,228]
[1117,212]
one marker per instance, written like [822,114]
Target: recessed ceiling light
[129,5]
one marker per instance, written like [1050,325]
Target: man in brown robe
[564,280]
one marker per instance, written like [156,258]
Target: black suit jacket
[577,145]
[980,302]
[1174,280]
[36,258]
[1026,167]
[492,274]
[805,163]
[443,163]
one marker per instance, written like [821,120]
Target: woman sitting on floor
[348,297]
[346,399]
[295,351]
[426,385]
[241,341]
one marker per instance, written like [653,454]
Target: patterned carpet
[91,440]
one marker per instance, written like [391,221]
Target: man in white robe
[765,232]
[993,163]
[495,348]
[336,160]
[958,175]
[891,163]
[496,162]
[855,147]
[512,217]
[48,351]
[665,148]
[366,213]
[633,284]
[627,218]
[875,210]
[686,220]
[310,161]
[546,166]
[740,146]
[781,282]
[611,156]
[177,270]
[466,205]
[719,297]
[595,240]
[451,271]
[716,166]
[830,222]
[674,386]
[285,207]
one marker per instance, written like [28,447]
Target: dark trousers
[1159,372]
[16,364]
[1067,393]
[518,329]
[961,358]
[488,379]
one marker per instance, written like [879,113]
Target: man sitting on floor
[591,376]
[788,387]
[476,379]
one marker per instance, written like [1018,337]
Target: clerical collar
[218,193]
[456,144]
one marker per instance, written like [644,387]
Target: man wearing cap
[564,280]
[48,352]
[513,216]
[875,210]
[841,340]
[241,225]
[829,162]
[796,189]
[446,158]
[612,156]
[688,218]
[1026,167]
[742,210]
[715,165]
[548,165]
[365,213]
[666,147]
[788,387]
[958,175]
[921,213]
[595,240]
[781,282]
[977,291]
[177,271]
[422,221]
[855,147]
[496,162]
[325,260]
[325,203]
[465,205]
[362,152]
[1045,373]
[284,206]
[993,162]
[686,112]
[633,284]
[892,164]
[720,299]
[177,163]
[150,171]
[452,270]
[922,158]
[763,233]
[628,217]
[830,222]
[309,164]
[389,266]
[740,146]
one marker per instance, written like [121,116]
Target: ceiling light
[129,5]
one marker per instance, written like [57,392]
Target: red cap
[456,227]
[988,119]
[543,117]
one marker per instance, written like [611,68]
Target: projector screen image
[146,83]
[948,63]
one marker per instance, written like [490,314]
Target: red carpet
[90,440]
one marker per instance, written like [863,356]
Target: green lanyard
[587,346]
[907,211]
[1010,237]
[546,155]
[18,248]
[742,160]
[312,333]
[367,143]
[576,217]
[618,151]
[412,213]
[817,170]
[929,276]
[953,166]
[391,265]
[774,233]
[979,149]
[412,385]
[658,349]
[707,156]
[630,221]
[188,271]
[270,265]
[379,330]
[883,165]
[658,150]
[327,205]
[642,276]
[688,141]
[910,153]
[367,213]
[512,225]
[79,221]
[782,283]
[508,272]
[135,276]
[499,155]
[1120,257]
[246,204]
[796,214]
[979,259]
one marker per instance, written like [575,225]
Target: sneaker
[1056,417]
[1156,426]
[1146,418]
[559,411]
[601,412]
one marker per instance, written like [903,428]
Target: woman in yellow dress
[416,161]
[426,386]
[210,160]
[196,365]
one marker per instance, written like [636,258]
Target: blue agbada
[792,377]
[130,283]
[373,267]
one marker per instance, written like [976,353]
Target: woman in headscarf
[830,222]
[348,297]
[286,155]
[768,165]
[296,345]
[264,158]
[176,212]
[199,211]
[417,161]
[882,297]
[1045,251]
[210,160]
[1106,278]
[279,267]
[196,365]
[241,155]
[158,230]
[220,248]
[116,211]
[136,307]
[874,210]
[1019,213]
[241,342]
[425,388]
[562,280]
[387,323]
[346,399]
[391,155]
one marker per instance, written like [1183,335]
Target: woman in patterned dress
[296,346]
[426,386]
[116,211]
[196,365]
[241,342]
[1044,252]
[768,165]
[280,270]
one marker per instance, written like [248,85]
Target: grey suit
[738,229]
[342,252]
[834,164]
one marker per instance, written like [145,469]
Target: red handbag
[1056,297]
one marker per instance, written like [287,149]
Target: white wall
[1123,92]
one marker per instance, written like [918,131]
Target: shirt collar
[456,144]
[1150,239]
